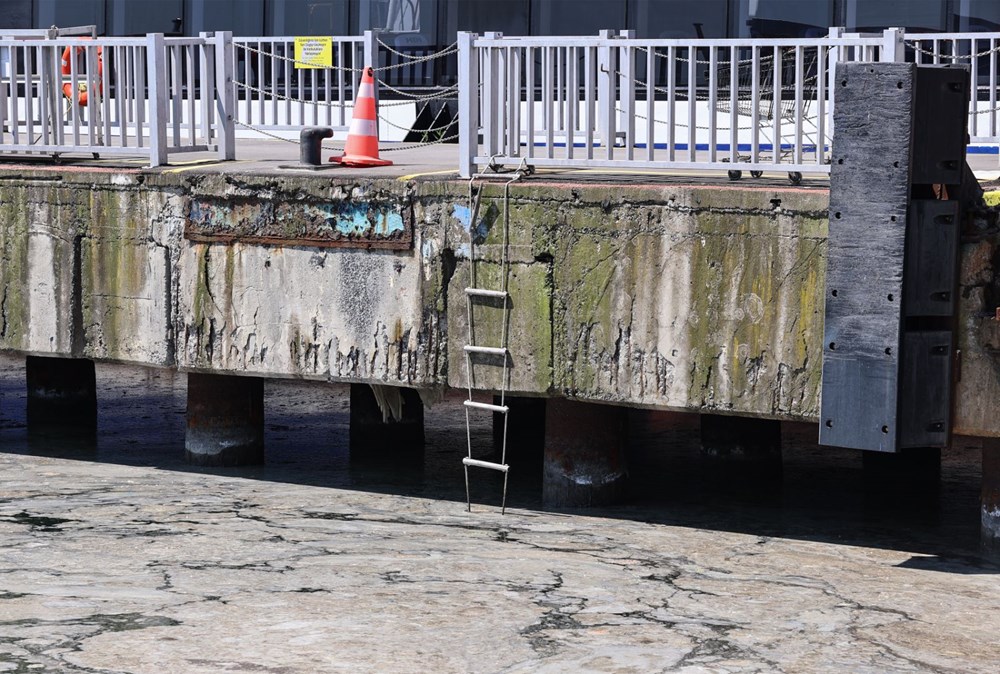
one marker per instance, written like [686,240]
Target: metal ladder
[474,295]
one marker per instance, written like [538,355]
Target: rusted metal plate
[336,224]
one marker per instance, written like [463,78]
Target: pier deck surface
[429,162]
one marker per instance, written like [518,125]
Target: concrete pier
[62,395]
[990,500]
[741,454]
[584,461]
[667,293]
[372,434]
[225,420]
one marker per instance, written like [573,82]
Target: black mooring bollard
[311,144]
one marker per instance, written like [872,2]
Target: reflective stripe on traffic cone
[362,138]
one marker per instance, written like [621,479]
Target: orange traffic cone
[362,137]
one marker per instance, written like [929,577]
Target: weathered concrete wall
[978,391]
[683,297]
[350,314]
[86,266]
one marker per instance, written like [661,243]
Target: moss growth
[13,268]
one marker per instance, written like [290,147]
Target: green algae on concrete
[706,300]
[529,328]
[14,224]
[125,281]
[664,296]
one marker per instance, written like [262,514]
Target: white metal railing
[274,91]
[278,92]
[615,101]
[150,96]
[603,101]
[980,52]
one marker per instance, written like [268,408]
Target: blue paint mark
[394,223]
[462,251]
[344,226]
[462,214]
[354,220]
[361,223]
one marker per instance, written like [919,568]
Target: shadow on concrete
[823,497]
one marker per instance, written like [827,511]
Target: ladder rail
[471,348]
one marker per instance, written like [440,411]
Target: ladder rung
[487,350]
[481,292]
[502,467]
[503,409]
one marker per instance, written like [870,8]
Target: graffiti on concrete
[300,223]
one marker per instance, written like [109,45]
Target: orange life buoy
[66,68]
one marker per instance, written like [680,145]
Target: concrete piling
[62,395]
[990,498]
[225,420]
[371,434]
[525,431]
[584,456]
[742,454]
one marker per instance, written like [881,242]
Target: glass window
[398,16]
[242,17]
[66,13]
[126,17]
[575,17]
[976,15]
[510,17]
[16,14]
[914,15]
[409,27]
[679,18]
[783,18]
[308,17]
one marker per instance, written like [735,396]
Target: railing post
[607,68]
[206,89]
[225,94]
[371,59]
[370,47]
[836,33]
[156,78]
[627,67]
[468,104]
[491,95]
[893,48]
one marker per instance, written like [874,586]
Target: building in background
[434,22]
[422,27]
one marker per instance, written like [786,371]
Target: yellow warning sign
[314,52]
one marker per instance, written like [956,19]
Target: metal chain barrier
[415,60]
[450,49]
[408,130]
[704,97]
[289,59]
[280,97]
[341,104]
[915,45]
[679,124]
[762,59]
[420,97]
